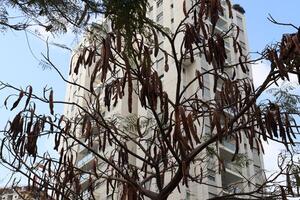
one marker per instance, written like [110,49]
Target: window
[9,197]
[206,93]
[239,22]
[159,17]
[159,3]
[211,175]
[172,20]
[150,9]
[172,6]
[207,130]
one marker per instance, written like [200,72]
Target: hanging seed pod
[185,125]
[165,107]
[296,42]
[16,103]
[57,141]
[156,45]
[166,62]
[130,84]
[216,122]
[192,128]
[16,126]
[184,8]
[229,8]
[88,130]
[51,105]
[272,122]
[214,13]
[119,41]
[195,19]
[79,61]
[268,125]
[49,168]
[258,115]
[200,79]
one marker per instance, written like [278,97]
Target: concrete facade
[169,13]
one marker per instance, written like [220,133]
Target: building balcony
[88,158]
[233,168]
[222,24]
[84,178]
[232,173]
[231,178]
[232,190]
[228,145]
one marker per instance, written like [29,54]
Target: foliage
[285,97]
[167,144]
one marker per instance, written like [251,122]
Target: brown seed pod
[184,8]
[156,45]
[51,105]
[16,103]
[229,8]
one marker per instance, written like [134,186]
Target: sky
[20,55]
[20,65]
[262,32]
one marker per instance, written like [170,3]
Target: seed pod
[193,128]
[78,62]
[185,125]
[165,107]
[272,123]
[119,41]
[130,84]
[21,94]
[184,8]
[166,62]
[229,8]
[156,45]
[200,79]
[51,105]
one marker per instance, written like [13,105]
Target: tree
[168,145]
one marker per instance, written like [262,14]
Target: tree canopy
[167,145]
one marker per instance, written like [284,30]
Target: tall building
[169,14]
[21,193]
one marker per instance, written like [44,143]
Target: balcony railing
[84,178]
[232,190]
[232,167]
[85,160]
[229,145]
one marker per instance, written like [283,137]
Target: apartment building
[21,193]
[169,14]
